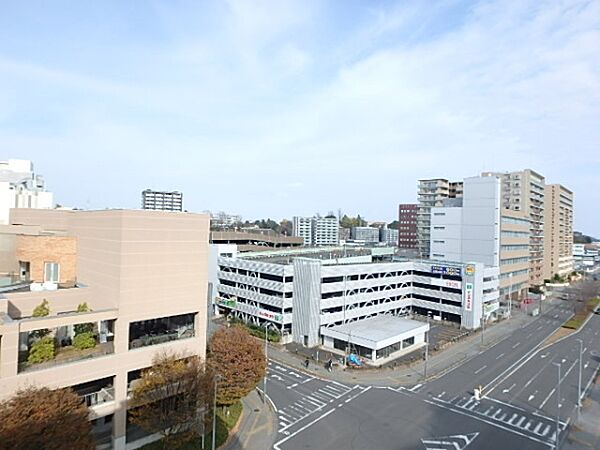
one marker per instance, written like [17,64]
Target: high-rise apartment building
[477,228]
[558,230]
[407,226]
[316,230]
[524,191]
[432,193]
[162,200]
[303,227]
[21,188]
[143,276]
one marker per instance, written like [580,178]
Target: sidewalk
[257,428]
[438,362]
[585,433]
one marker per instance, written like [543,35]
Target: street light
[557,407]
[579,384]
[510,275]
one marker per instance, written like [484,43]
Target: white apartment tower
[21,188]
[479,229]
[162,200]
[432,193]
[316,230]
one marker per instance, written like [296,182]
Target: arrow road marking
[456,442]
[509,389]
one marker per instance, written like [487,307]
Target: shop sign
[269,315]
[468,296]
[446,270]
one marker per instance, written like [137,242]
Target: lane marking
[516,345]
[547,398]
[500,356]
[509,389]
[479,370]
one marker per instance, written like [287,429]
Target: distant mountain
[580,238]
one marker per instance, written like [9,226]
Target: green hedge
[41,350]
[84,340]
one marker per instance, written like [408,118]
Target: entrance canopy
[377,332]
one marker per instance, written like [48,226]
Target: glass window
[51,272]
[161,330]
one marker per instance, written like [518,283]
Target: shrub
[41,350]
[41,310]
[81,328]
[84,340]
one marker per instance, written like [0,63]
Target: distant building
[316,231]
[251,240]
[431,194]
[388,236]
[224,220]
[21,188]
[162,200]
[365,234]
[407,226]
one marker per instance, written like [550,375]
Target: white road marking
[291,386]
[516,345]
[500,356]
[415,388]
[509,389]
[547,398]
[479,370]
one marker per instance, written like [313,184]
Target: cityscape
[300,225]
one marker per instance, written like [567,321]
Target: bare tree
[45,419]
[172,397]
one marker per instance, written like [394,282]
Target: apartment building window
[439,242]
[51,272]
[439,228]
[161,330]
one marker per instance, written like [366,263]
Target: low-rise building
[137,279]
[305,295]
[20,187]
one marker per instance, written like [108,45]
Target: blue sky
[277,108]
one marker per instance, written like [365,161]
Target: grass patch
[577,320]
[573,323]
[225,422]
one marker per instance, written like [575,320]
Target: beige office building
[558,231]
[514,254]
[143,275]
[524,191]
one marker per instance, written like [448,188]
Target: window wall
[161,330]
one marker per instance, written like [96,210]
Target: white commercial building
[365,234]
[304,296]
[317,231]
[21,188]
[479,229]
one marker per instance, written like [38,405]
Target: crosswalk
[312,402]
[507,416]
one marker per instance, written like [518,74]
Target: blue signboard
[445,270]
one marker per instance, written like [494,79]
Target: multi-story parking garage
[301,296]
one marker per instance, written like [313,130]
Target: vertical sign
[468,296]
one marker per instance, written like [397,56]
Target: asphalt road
[518,410]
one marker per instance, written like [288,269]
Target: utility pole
[266,361]
[579,383]
[426,347]
[214,421]
[557,407]
[510,295]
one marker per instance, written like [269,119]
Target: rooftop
[376,332]
[323,253]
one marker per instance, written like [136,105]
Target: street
[518,408]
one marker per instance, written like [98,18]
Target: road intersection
[518,409]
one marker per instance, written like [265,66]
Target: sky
[281,108]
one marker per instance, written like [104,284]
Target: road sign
[455,442]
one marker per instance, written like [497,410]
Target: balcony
[161,330]
[100,397]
